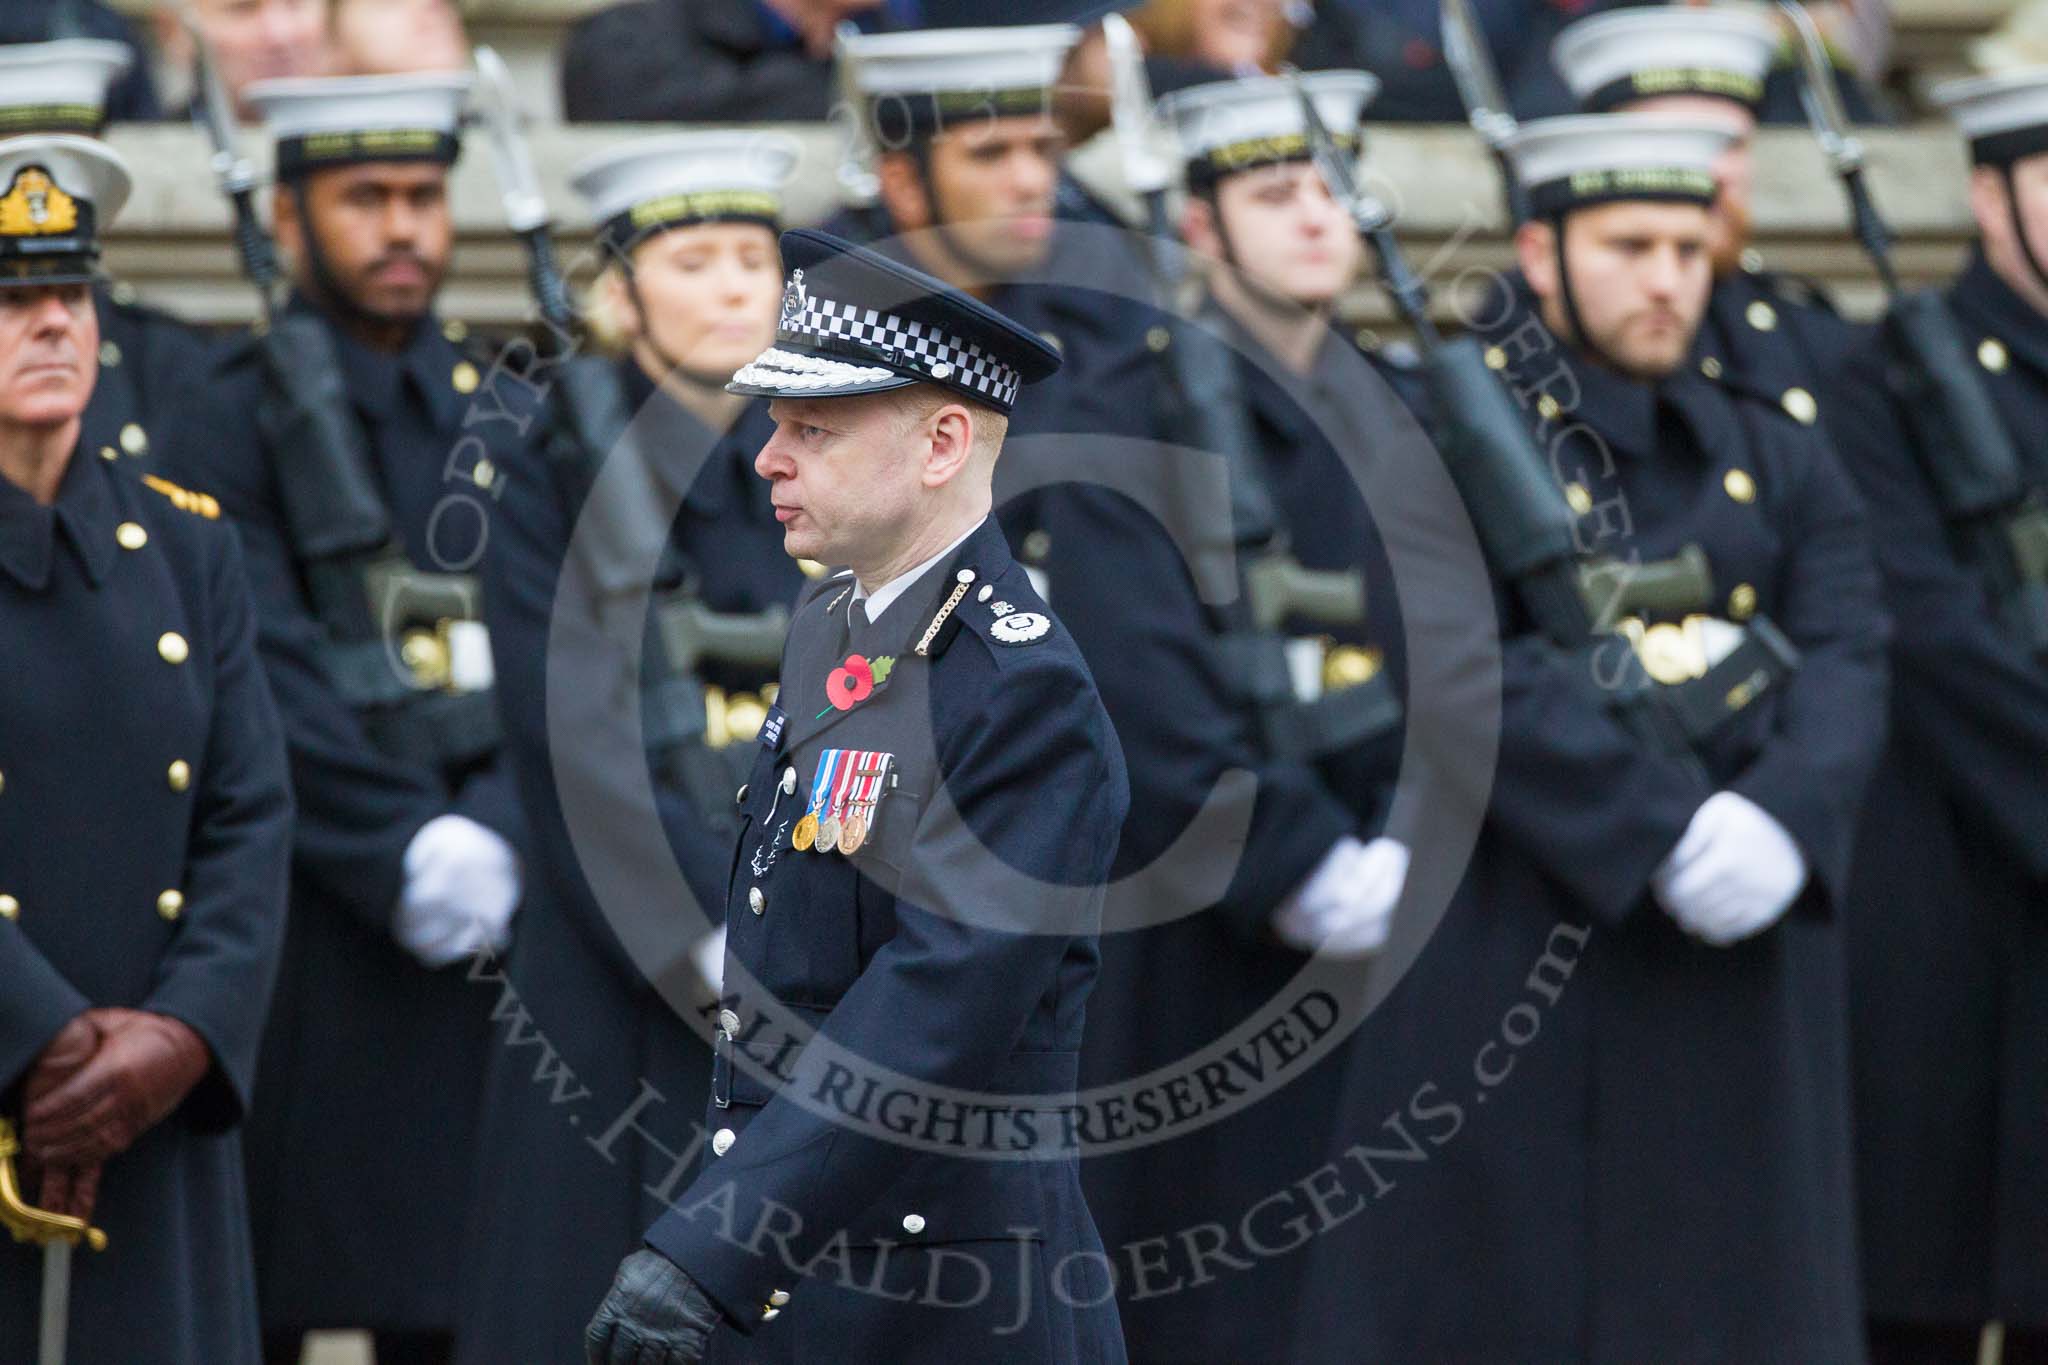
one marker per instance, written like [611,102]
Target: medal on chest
[845,791]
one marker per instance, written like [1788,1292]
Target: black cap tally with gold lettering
[323,121]
[1233,125]
[1587,159]
[56,191]
[58,87]
[675,179]
[854,321]
[1613,59]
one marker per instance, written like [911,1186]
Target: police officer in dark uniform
[1770,335]
[693,292]
[144,835]
[913,900]
[1603,1118]
[149,360]
[357,449]
[1948,952]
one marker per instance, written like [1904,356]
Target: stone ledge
[172,241]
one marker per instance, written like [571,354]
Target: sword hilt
[28,1223]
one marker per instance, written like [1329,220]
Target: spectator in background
[708,61]
[394,37]
[1234,37]
[1188,42]
[132,99]
[251,40]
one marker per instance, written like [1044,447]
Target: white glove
[1733,874]
[1346,907]
[708,953]
[461,886]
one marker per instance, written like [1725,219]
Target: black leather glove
[654,1315]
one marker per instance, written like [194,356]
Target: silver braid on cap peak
[780,369]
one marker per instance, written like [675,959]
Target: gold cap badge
[34,207]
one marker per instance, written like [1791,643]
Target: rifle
[588,398]
[360,585]
[1972,462]
[1273,585]
[1486,107]
[626,541]
[1524,523]
[859,186]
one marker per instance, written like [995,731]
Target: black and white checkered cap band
[910,346]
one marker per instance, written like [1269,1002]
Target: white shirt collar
[878,601]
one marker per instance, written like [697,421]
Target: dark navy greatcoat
[955,949]
[1169,990]
[362,1145]
[1573,1132]
[1948,946]
[145,826]
[543,1259]
[150,363]
[1776,338]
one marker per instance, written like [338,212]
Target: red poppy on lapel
[850,683]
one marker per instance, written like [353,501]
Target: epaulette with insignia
[184,499]
[994,615]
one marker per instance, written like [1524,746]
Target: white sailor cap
[1624,55]
[1586,159]
[56,191]
[1225,126]
[675,179]
[915,84]
[58,87]
[2005,116]
[323,121]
